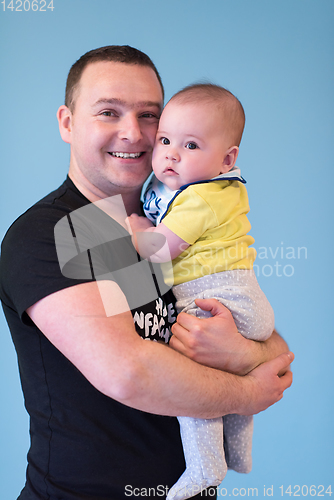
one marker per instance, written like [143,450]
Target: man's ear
[231,156]
[65,118]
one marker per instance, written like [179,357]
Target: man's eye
[108,113]
[165,141]
[191,145]
[149,115]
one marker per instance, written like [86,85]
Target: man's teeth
[126,155]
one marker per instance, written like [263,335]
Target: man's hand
[265,386]
[216,342]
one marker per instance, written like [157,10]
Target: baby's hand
[143,238]
[136,224]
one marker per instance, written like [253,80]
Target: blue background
[277,57]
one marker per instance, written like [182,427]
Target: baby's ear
[230,158]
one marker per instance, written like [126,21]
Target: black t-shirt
[84,445]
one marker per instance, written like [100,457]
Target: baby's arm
[162,246]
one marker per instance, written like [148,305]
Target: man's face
[113,125]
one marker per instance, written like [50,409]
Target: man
[99,398]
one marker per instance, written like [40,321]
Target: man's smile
[119,154]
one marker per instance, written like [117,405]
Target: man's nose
[130,129]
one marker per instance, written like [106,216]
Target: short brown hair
[222,98]
[113,53]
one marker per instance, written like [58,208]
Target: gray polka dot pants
[211,446]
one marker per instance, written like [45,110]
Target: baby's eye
[191,145]
[165,141]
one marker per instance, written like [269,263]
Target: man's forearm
[145,375]
[167,383]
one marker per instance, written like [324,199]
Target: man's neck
[130,199]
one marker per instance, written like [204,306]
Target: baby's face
[190,145]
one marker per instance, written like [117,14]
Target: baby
[197,200]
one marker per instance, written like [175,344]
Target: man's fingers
[176,344]
[186,321]
[269,385]
[281,364]
[178,330]
[212,305]
[189,322]
[182,340]
[282,361]
[280,367]
[271,370]
[286,379]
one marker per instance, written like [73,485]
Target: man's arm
[147,375]
[216,342]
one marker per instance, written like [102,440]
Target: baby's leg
[202,441]
[239,291]
[238,433]
[203,448]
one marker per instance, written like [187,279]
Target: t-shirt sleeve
[190,216]
[29,263]
[202,207]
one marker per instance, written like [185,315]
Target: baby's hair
[223,100]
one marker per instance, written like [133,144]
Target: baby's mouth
[170,170]
[118,154]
